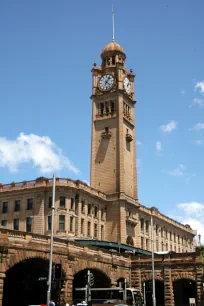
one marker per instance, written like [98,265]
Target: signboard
[192,301]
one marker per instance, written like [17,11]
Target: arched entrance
[183,290]
[26,283]
[159,292]
[101,280]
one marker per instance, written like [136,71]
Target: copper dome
[112,46]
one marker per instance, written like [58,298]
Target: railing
[48,182]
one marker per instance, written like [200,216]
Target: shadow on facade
[183,290]
[26,283]
[101,280]
[159,291]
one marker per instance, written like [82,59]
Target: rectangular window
[113,60]
[29,204]
[95,230]
[17,205]
[82,226]
[62,202]
[157,246]
[142,225]
[167,248]
[89,209]
[102,232]
[95,211]
[71,224]
[147,244]
[5,207]
[61,223]
[28,224]
[157,229]
[83,206]
[50,202]
[112,107]
[3,222]
[16,224]
[162,232]
[142,243]
[102,214]
[72,204]
[89,229]
[49,223]
[147,227]
[76,206]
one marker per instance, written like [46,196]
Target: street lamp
[51,239]
[153,276]
[199,239]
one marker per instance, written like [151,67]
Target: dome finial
[113,39]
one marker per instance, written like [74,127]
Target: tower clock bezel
[108,88]
[128,91]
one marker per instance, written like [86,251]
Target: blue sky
[47,52]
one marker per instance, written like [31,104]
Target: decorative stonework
[183,275]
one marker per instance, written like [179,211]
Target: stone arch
[147,276]
[83,265]
[183,275]
[184,289]
[21,255]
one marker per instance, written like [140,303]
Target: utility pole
[51,243]
[153,276]
[144,293]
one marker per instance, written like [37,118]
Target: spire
[113,39]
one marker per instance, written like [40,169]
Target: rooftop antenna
[113,39]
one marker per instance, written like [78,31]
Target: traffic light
[58,271]
[91,280]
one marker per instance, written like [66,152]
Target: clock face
[106,82]
[127,85]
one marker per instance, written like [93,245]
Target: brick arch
[148,277]
[22,255]
[83,265]
[183,275]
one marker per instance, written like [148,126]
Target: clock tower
[113,147]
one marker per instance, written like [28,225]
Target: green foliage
[201,249]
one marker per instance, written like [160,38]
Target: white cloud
[200,86]
[40,151]
[169,127]
[191,213]
[199,102]
[158,146]
[198,142]
[182,92]
[138,142]
[178,171]
[198,126]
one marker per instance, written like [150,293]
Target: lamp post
[199,239]
[49,283]
[153,276]
[51,243]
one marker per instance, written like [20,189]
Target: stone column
[168,288]
[136,279]
[2,276]
[66,293]
[199,275]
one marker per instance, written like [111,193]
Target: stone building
[109,209]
